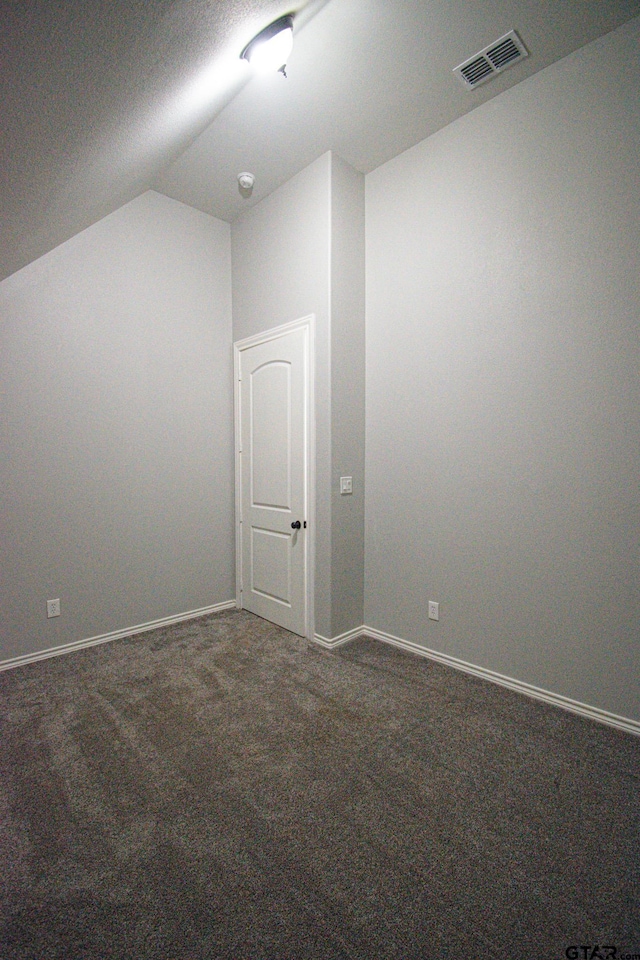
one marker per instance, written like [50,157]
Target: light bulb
[270,49]
[272,54]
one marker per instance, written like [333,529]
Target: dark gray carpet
[222,789]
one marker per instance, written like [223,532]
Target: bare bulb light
[270,49]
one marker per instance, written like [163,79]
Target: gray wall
[116,468]
[503,383]
[280,253]
[347,395]
[301,251]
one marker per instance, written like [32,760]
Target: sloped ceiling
[102,100]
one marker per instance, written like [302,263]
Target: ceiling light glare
[269,50]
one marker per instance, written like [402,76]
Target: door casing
[239,346]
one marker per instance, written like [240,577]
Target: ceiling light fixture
[269,50]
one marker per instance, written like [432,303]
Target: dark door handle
[296,525]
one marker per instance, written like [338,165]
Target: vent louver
[492,60]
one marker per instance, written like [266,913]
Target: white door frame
[310,456]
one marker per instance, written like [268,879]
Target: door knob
[296,525]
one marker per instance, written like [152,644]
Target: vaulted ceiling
[103,100]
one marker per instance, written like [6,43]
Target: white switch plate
[346,485]
[53,608]
[434,610]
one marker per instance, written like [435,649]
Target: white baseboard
[330,643]
[537,693]
[114,635]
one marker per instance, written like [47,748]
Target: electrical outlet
[434,610]
[53,608]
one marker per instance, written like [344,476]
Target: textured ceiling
[102,100]
[98,96]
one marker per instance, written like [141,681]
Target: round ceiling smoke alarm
[246,181]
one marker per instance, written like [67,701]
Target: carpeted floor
[223,789]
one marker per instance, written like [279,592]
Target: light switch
[346,485]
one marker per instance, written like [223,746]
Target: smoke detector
[492,60]
[246,181]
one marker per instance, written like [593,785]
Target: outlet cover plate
[53,608]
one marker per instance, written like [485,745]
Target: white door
[272,458]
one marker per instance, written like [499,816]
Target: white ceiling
[102,100]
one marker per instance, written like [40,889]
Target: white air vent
[492,60]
